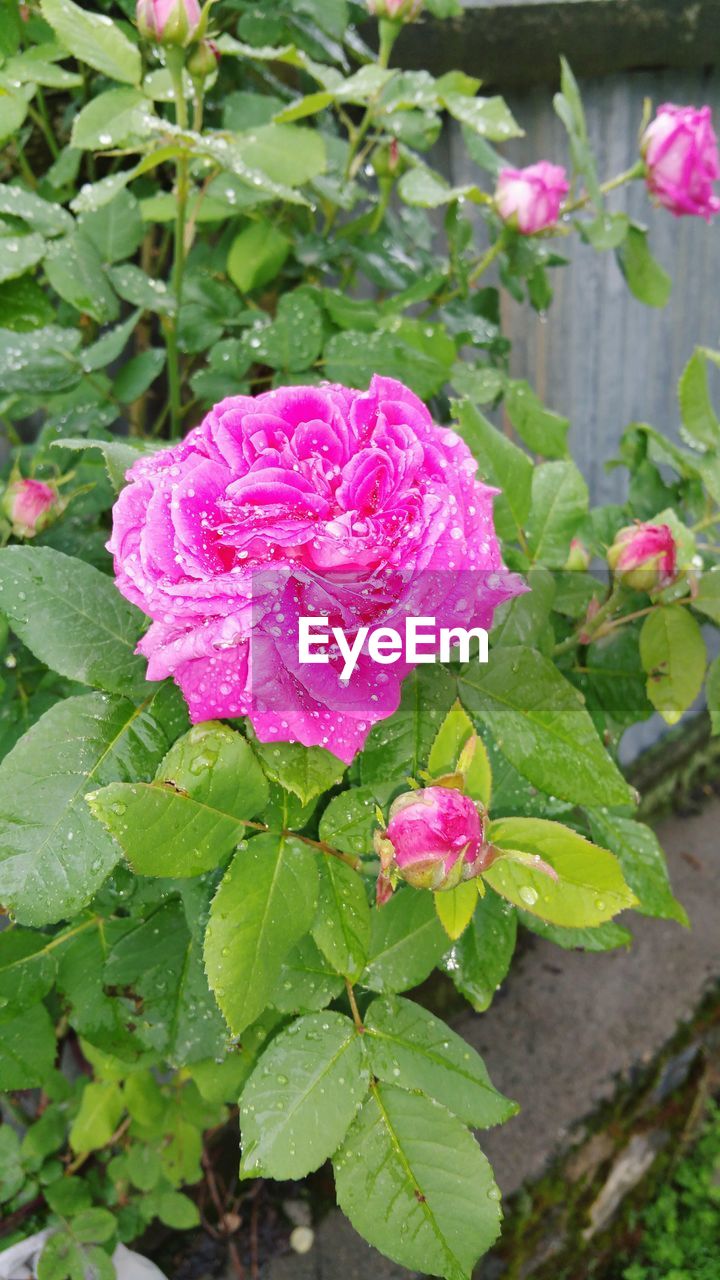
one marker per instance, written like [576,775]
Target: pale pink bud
[28,504]
[168,21]
[644,556]
[435,837]
[396,10]
[680,151]
[530,199]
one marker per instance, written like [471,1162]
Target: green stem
[487,259]
[590,629]
[175,59]
[43,125]
[628,175]
[707,522]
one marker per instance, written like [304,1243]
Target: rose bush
[250,336]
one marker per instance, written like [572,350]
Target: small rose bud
[644,556]
[578,555]
[203,60]
[396,10]
[29,506]
[530,199]
[168,22]
[434,839]
[680,151]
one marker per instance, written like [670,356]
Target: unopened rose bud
[168,22]
[434,839]
[578,555]
[644,557]
[396,10]
[529,199]
[29,506]
[203,60]
[680,151]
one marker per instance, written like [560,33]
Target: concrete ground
[566,1029]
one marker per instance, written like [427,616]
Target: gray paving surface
[567,1028]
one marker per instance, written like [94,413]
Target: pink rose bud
[644,556]
[680,151]
[434,839]
[530,199]
[28,504]
[396,10]
[578,555]
[168,21]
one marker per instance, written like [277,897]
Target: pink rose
[303,502]
[396,10]
[434,839]
[645,556]
[28,505]
[168,21]
[680,151]
[530,199]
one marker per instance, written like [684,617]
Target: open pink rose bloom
[303,502]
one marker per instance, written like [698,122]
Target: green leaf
[642,861]
[455,908]
[53,854]
[646,279]
[158,964]
[293,340]
[265,903]
[349,821]
[696,410]
[94,1226]
[27,1049]
[73,618]
[19,253]
[24,305]
[74,269]
[13,110]
[589,888]
[481,957]
[454,733]
[138,374]
[132,284]
[256,255]
[119,455]
[491,118]
[421,355]
[302,1097]
[541,726]
[12,1172]
[191,816]
[411,1048]
[399,746]
[288,154]
[673,654]
[116,118]
[27,968]
[101,1107]
[44,360]
[500,463]
[406,942]
[306,771]
[606,231]
[524,619]
[342,924]
[413,1181]
[93,38]
[93,1014]
[428,190]
[177,1210]
[306,981]
[559,504]
[43,216]
[541,430]
[601,937]
[116,228]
